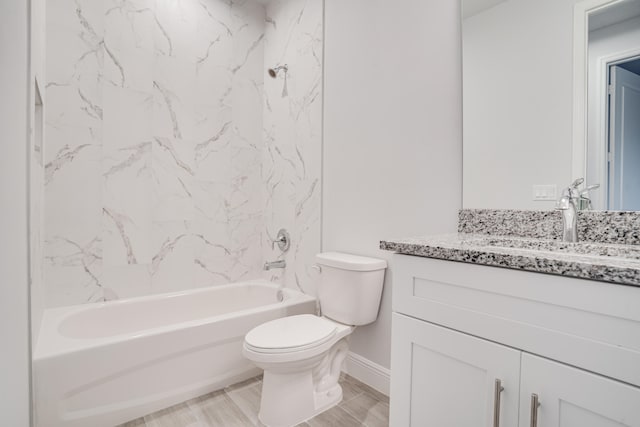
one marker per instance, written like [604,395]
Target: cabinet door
[570,397]
[443,378]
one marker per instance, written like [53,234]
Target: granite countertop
[612,263]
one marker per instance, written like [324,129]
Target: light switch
[543,193]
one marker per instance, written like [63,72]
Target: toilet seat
[291,334]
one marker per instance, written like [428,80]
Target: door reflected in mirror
[551,94]
[613,150]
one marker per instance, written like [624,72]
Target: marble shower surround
[155,160]
[292,135]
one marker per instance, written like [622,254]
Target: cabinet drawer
[592,325]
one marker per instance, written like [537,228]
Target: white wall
[612,40]
[392,141]
[14,289]
[518,99]
[36,166]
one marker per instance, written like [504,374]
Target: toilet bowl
[302,355]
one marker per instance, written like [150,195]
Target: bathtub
[101,365]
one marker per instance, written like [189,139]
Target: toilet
[302,355]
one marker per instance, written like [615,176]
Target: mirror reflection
[551,95]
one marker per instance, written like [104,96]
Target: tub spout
[269,265]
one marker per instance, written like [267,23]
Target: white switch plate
[542,193]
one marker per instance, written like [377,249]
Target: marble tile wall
[168,161]
[291,171]
[154,128]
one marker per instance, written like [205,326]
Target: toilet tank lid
[350,262]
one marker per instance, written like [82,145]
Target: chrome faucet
[568,205]
[274,264]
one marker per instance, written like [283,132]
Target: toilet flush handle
[317,268]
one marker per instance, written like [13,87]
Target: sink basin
[626,252]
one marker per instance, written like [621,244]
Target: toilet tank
[350,287]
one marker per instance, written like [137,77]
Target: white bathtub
[100,365]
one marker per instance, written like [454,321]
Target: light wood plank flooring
[237,406]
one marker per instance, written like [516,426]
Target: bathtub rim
[51,343]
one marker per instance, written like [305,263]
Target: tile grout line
[344,405]
[195,414]
[238,407]
[349,400]
[233,401]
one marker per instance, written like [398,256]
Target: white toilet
[302,355]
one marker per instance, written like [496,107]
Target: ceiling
[474,7]
[633,66]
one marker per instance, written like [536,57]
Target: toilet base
[290,398]
[281,408]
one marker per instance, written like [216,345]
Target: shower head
[273,72]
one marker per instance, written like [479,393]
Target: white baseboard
[368,372]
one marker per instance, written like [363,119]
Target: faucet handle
[572,190]
[283,240]
[577,183]
[584,199]
[589,188]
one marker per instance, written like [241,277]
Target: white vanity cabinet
[571,397]
[474,346]
[448,379]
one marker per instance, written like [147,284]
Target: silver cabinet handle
[535,403]
[497,392]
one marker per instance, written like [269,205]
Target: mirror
[551,94]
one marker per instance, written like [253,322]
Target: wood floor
[237,406]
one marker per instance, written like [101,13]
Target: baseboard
[368,372]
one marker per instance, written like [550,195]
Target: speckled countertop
[539,249]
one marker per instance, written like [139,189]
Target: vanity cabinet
[448,379]
[571,397]
[475,346]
